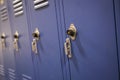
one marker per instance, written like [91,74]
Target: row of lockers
[59,39]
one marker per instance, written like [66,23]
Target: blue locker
[94,53]
[6,42]
[46,55]
[117,21]
[22,48]
[2,75]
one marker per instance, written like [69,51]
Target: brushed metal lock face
[72,32]
[36,37]
[15,42]
[67,47]
[3,37]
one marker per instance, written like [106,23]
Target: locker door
[94,54]
[6,44]
[22,46]
[117,20]
[47,59]
[2,76]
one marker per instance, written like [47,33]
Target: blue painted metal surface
[7,52]
[94,50]
[2,76]
[117,20]
[23,59]
[48,60]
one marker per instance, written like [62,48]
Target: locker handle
[3,37]
[36,37]
[15,42]
[67,47]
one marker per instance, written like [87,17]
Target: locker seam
[28,18]
[28,32]
[55,2]
[66,35]
[116,37]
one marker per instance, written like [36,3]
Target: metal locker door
[22,46]
[94,53]
[2,75]
[117,20]
[45,46]
[6,42]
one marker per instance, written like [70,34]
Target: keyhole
[70,32]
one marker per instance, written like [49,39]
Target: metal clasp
[67,46]
[36,37]
[3,37]
[72,32]
[15,42]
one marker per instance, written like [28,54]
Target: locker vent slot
[40,3]
[25,77]
[11,74]
[18,7]
[2,71]
[3,13]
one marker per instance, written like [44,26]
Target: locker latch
[15,42]
[72,32]
[2,2]
[36,37]
[3,37]
[67,47]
